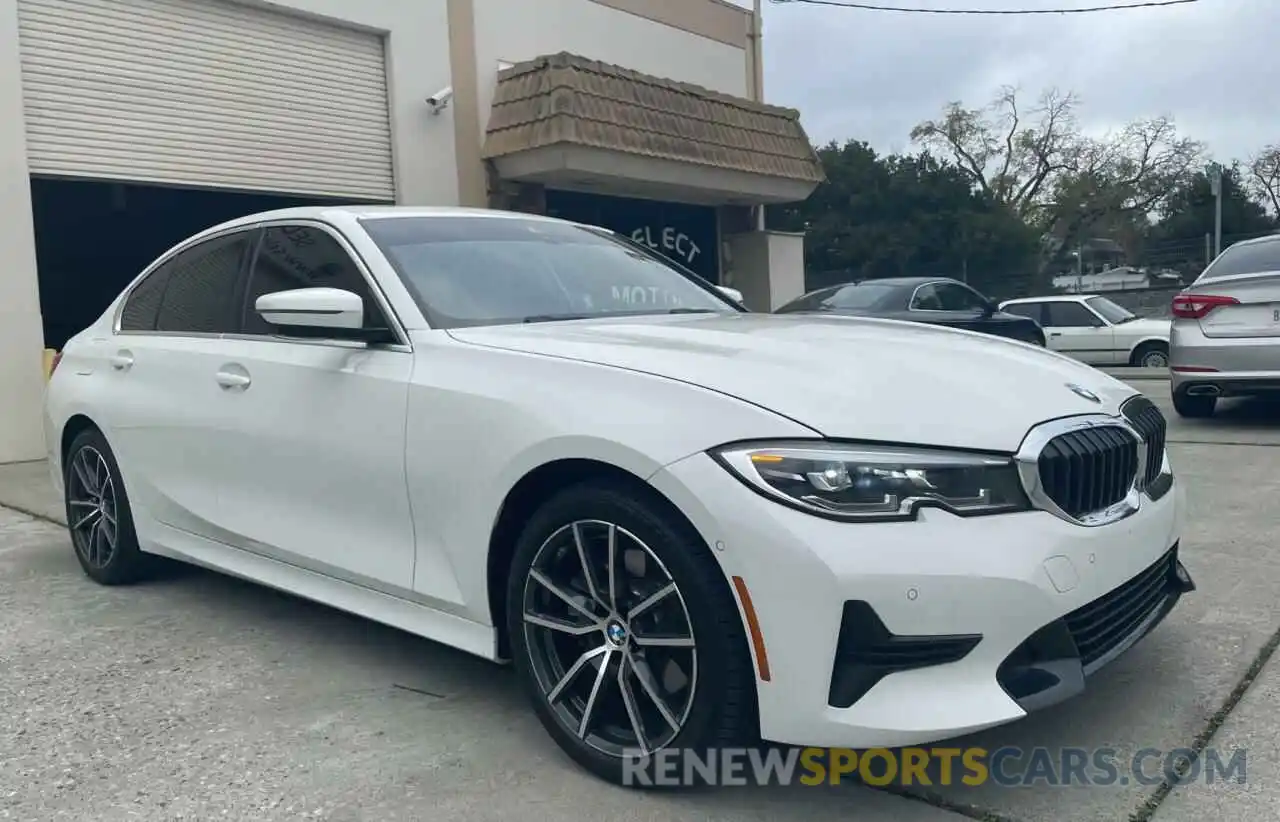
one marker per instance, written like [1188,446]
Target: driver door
[1072,329]
[313,430]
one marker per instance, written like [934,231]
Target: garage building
[127,125]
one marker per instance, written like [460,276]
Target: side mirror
[324,313]
[988,308]
[732,293]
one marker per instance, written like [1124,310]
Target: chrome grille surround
[1027,460]
[1147,419]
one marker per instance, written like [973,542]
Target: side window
[302,256]
[1070,315]
[958,298]
[927,298]
[199,296]
[1032,311]
[142,306]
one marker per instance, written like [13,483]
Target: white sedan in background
[679,528]
[1095,330]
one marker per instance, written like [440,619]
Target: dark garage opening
[94,237]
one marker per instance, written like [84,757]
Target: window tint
[143,303]
[958,298]
[865,295]
[1029,310]
[809,302]
[490,270]
[1111,312]
[302,256]
[1245,259]
[1070,315]
[927,298]
[200,294]
[852,296]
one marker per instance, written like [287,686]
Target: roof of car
[1265,238]
[328,213]
[1050,298]
[903,282]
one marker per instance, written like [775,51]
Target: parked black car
[934,300]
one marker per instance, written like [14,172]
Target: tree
[902,215]
[1011,155]
[1176,239]
[1066,184]
[1264,176]
[1121,179]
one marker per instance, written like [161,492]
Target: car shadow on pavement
[441,723]
[1254,410]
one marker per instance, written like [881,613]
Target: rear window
[865,295]
[1245,259]
[853,296]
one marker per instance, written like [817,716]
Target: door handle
[1055,333]
[232,377]
[122,360]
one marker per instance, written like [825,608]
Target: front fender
[510,413]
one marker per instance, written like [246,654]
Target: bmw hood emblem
[1084,393]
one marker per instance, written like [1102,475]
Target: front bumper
[979,605]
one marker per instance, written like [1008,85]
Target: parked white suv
[1096,330]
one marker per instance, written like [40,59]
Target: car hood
[844,377]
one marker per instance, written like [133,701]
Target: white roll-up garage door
[205,93]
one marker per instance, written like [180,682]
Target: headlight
[876,483]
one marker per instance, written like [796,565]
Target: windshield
[1112,313]
[466,271]
[1250,258]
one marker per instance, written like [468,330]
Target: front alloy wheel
[625,634]
[609,639]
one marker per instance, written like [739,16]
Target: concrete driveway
[201,697]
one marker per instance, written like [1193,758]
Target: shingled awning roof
[562,102]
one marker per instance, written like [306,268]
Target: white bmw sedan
[686,525]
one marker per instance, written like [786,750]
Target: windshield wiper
[604,315]
[550,318]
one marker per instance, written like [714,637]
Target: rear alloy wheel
[1193,407]
[1151,355]
[625,635]
[98,515]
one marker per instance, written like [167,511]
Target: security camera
[440,99]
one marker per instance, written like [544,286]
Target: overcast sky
[1213,65]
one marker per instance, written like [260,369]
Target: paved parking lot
[200,697]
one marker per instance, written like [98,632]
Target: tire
[94,495]
[1193,407]
[715,707]
[1150,355]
